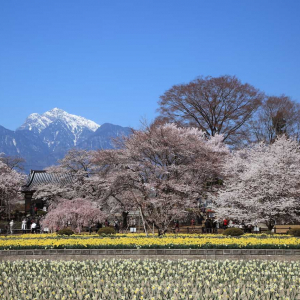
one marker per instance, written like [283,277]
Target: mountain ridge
[45,138]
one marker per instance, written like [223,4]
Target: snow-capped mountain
[45,138]
[76,125]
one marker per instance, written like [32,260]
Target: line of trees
[163,170]
[214,138]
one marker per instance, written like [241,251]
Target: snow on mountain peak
[55,112]
[36,122]
[76,125]
[33,116]
[73,122]
[56,109]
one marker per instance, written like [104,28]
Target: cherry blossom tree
[262,184]
[160,171]
[75,213]
[10,184]
[54,192]
[85,182]
[76,161]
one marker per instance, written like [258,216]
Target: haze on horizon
[110,61]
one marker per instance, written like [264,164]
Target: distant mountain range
[43,139]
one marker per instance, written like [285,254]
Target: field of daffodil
[151,280]
[140,241]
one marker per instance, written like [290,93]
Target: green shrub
[233,231]
[65,231]
[106,231]
[294,232]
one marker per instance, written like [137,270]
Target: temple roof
[37,178]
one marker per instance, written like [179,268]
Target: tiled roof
[37,178]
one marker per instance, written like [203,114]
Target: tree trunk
[161,231]
[124,219]
[270,224]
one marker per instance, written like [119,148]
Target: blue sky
[110,60]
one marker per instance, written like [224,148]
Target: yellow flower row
[175,235]
[131,241]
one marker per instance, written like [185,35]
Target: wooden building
[38,178]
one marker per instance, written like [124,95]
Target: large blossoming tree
[161,171]
[263,183]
